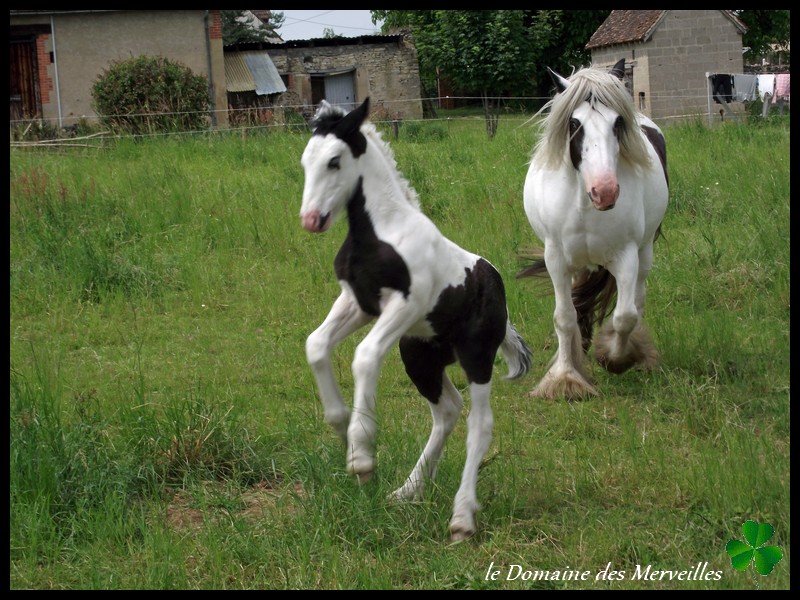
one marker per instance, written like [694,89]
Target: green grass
[165,430]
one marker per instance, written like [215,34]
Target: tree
[329,33]
[764,28]
[487,52]
[239,27]
[496,53]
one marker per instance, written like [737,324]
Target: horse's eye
[334,163]
[619,125]
[574,125]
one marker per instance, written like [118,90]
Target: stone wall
[386,71]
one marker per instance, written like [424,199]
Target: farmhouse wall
[82,44]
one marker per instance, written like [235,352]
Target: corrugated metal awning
[252,71]
[268,80]
[237,76]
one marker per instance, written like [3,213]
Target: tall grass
[165,430]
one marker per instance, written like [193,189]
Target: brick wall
[214,25]
[43,62]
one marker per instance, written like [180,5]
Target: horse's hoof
[616,367]
[571,386]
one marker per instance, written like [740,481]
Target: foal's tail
[593,294]
[516,352]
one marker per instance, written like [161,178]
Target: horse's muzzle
[604,197]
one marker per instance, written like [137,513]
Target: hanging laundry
[781,87]
[722,87]
[766,85]
[745,86]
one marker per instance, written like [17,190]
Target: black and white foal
[440,302]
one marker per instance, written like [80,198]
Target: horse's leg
[425,365]
[343,319]
[397,317]
[480,423]
[565,376]
[624,340]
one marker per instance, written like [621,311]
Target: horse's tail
[593,293]
[516,352]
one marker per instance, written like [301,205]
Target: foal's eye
[334,163]
[574,125]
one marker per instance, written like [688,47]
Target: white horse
[441,303]
[596,154]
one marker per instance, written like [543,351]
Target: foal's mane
[593,85]
[328,114]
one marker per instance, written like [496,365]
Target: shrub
[150,94]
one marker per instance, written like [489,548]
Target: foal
[441,303]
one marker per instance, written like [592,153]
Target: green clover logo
[765,557]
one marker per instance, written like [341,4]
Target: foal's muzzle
[315,222]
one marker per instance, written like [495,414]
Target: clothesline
[746,87]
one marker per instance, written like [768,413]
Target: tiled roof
[626,26]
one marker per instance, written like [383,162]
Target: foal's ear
[618,70]
[352,121]
[561,83]
[348,129]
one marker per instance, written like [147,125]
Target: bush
[149,94]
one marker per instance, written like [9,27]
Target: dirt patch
[192,509]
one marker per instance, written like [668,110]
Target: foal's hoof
[459,535]
[363,478]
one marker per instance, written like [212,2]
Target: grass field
[165,431]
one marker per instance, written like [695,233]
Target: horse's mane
[596,85]
[328,114]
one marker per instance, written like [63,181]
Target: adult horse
[441,303]
[596,193]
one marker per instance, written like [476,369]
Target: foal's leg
[425,364]
[479,435]
[624,341]
[565,376]
[397,317]
[343,319]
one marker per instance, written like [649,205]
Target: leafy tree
[329,33]
[237,28]
[496,53]
[764,27]
[565,50]
[487,52]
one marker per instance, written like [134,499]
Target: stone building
[344,71]
[668,54]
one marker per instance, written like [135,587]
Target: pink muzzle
[604,192]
